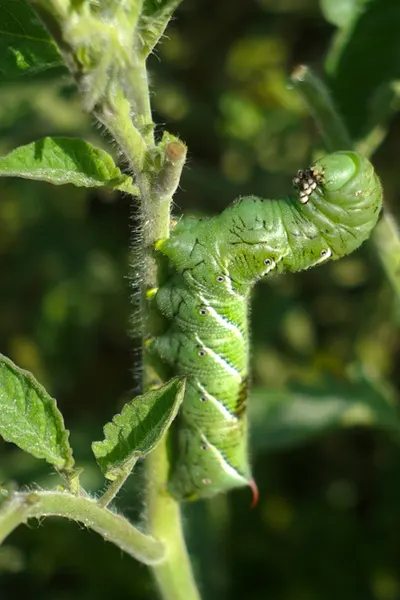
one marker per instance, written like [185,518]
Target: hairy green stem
[134,134]
[114,486]
[116,117]
[320,104]
[168,177]
[137,86]
[157,211]
[336,137]
[175,579]
[112,527]
[12,515]
[116,89]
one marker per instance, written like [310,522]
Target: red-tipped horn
[254,489]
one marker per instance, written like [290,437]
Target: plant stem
[137,85]
[175,579]
[156,214]
[385,238]
[320,104]
[123,106]
[112,527]
[12,515]
[114,486]
[117,119]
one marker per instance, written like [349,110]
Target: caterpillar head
[342,197]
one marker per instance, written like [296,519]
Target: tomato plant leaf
[65,160]
[138,429]
[29,417]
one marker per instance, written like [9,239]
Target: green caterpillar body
[214,264]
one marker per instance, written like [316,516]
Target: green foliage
[25,46]
[65,160]
[369,46]
[153,21]
[138,429]
[283,419]
[29,417]
[326,455]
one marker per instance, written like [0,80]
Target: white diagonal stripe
[231,471]
[218,359]
[220,320]
[217,403]
[230,288]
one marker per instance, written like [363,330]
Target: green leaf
[153,21]
[138,429]
[65,160]
[29,417]
[282,419]
[25,46]
[363,63]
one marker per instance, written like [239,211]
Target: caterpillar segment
[212,452]
[214,264]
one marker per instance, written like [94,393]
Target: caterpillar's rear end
[207,341]
[215,263]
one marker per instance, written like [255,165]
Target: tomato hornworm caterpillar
[213,265]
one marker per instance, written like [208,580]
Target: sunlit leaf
[25,46]
[139,428]
[29,417]
[65,160]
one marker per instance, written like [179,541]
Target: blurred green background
[325,355]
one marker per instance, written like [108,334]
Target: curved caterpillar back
[214,264]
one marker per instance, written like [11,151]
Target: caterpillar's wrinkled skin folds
[214,263]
